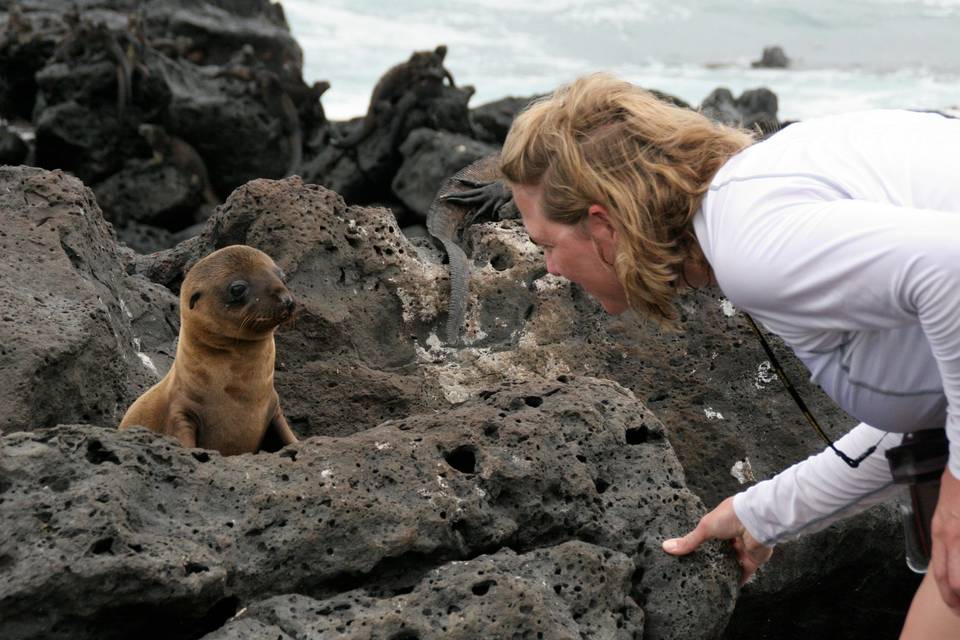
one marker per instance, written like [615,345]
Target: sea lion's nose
[287,301]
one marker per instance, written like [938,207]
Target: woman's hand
[723,524]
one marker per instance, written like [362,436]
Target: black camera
[917,465]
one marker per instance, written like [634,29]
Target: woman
[841,235]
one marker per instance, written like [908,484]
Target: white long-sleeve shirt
[842,236]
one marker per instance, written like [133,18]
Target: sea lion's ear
[193,299]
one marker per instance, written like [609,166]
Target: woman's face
[574,251]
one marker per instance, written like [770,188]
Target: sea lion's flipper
[280,427]
[184,428]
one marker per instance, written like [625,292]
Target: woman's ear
[602,232]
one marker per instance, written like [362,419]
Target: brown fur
[219,393]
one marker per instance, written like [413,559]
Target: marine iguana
[17,27]
[453,210]
[84,36]
[398,91]
[241,65]
[181,155]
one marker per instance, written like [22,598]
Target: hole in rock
[501,262]
[218,615]
[601,484]
[59,485]
[533,401]
[104,545]
[481,588]
[641,435]
[97,454]
[463,459]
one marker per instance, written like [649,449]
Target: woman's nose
[551,265]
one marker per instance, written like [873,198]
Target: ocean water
[846,54]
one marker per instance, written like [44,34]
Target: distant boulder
[773,58]
[755,109]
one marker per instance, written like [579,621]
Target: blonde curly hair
[601,140]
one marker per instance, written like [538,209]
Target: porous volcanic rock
[571,591]
[111,534]
[365,350]
[69,352]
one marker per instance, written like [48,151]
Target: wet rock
[772,58]
[98,73]
[430,157]
[527,466]
[159,195]
[213,31]
[144,238]
[27,40]
[77,137]
[493,119]
[233,124]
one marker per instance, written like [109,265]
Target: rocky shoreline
[515,485]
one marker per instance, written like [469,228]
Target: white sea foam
[846,56]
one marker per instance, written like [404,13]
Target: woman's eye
[238,290]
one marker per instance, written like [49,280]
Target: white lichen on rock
[727,307]
[764,376]
[743,471]
[712,414]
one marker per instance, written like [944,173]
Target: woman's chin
[613,307]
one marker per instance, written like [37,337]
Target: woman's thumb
[686,544]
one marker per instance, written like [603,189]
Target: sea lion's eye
[238,289]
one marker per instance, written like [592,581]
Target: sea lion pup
[219,391]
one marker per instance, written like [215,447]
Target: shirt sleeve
[852,265]
[813,494]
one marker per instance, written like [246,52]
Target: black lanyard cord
[801,404]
